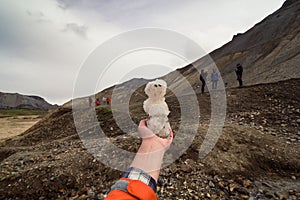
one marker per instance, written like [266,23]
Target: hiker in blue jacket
[214,79]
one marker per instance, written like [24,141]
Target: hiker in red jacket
[97,102]
[139,181]
[107,100]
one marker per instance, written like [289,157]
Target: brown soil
[257,155]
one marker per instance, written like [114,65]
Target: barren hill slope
[269,51]
[257,155]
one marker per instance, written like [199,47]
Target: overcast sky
[43,43]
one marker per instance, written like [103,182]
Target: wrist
[151,147]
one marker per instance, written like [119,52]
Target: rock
[222,193]
[246,183]
[74,193]
[90,193]
[232,186]
[269,195]
[278,195]
[291,192]
[242,190]
[173,168]
[62,190]
[208,195]
[82,197]
[221,184]
[211,184]
[186,168]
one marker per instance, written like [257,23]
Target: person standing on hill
[90,102]
[104,100]
[214,79]
[107,100]
[203,76]
[97,102]
[239,74]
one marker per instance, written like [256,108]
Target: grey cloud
[66,4]
[80,30]
[38,16]
[123,13]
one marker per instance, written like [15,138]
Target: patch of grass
[21,112]
[106,110]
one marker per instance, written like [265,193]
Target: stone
[246,183]
[232,186]
[211,184]
[242,190]
[186,168]
[269,195]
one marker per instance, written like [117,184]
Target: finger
[142,122]
[171,137]
[171,133]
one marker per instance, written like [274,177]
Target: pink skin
[150,154]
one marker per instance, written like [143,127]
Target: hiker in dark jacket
[203,76]
[239,74]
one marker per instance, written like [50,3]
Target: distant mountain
[19,101]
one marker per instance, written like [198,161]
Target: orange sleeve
[135,190]
[119,195]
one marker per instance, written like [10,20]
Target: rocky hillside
[18,101]
[269,51]
[257,155]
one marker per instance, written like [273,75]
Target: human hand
[150,141]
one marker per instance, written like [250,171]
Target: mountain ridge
[20,101]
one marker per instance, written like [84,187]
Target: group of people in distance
[215,77]
[105,100]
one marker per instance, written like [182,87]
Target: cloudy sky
[44,43]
